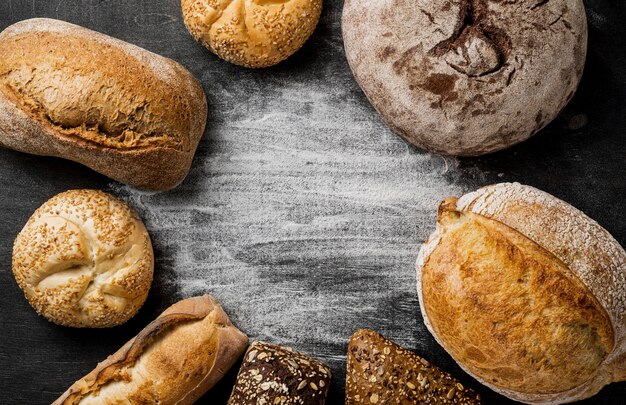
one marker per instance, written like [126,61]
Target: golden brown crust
[580,250]
[509,310]
[381,372]
[84,259]
[175,359]
[252,33]
[132,115]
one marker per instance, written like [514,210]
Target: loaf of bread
[84,259]
[174,360]
[252,33]
[276,375]
[127,113]
[526,293]
[381,372]
[466,77]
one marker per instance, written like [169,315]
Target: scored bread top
[252,33]
[572,275]
[381,372]
[175,359]
[105,91]
[84,259]
[458,76]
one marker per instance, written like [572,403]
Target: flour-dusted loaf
[381,372]
[526,293]
[275,375]
[84,259]
[466,77]
[127,113]
[252,33]
[174,360]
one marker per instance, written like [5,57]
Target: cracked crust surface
[70,92]
[174,360]
[84,259]
[466,77]
[252,33]
[533,294]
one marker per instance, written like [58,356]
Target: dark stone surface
[303,213]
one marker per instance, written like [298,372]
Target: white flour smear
[303,216]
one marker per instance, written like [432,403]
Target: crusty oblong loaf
[174,360]
[73,93]
[534,290]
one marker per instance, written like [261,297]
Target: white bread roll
[174,360]
[84,259]
[527,293]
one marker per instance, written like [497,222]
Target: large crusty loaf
[277,375]
[84,259]
[174,360]
[127,113]
[252,33]
[466,77]
[381,372]
[526,293]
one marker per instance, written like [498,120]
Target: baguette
[174,360]
[73,93]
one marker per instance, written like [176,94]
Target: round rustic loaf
[526,293]
[252,33]
[84,259]
[466,77]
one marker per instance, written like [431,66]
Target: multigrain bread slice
[273,374]
[526,293]
[70,92]
[174,360]
[381,372]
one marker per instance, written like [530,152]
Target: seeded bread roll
[526,293]
[252,33]
[466,77]
[84,259]
[127,113]
[272,374]
[174,360]
[381,372]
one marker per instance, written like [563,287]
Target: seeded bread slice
[381,372]
[272,374]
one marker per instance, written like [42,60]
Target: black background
[579,158]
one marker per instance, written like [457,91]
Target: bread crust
[252,33]
[174,360]
[466,77]
[588,251]
[70,92]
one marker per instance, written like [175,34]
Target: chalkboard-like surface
[303,213]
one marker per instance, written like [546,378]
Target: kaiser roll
[84,259]
[252,33]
